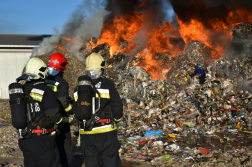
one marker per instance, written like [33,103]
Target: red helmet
[57,61]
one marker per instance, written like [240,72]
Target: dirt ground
[76,162]
[77,159]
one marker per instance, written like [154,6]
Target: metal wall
[12,63]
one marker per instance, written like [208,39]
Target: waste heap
[200,115]
[201,111]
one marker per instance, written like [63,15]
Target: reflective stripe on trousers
[102,129]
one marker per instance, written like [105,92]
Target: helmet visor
[27,77]
[52,71]
[94,74]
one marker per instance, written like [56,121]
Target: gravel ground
[11,155]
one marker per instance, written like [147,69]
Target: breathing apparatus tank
[85,95]
[18,107]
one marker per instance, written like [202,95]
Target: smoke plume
[205,10]
[80,28]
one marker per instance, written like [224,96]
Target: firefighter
[39,105]
[56,66]
[98,131]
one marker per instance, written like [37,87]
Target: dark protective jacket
[108,95]
[61,87]
[44,101]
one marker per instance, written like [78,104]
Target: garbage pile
[199,123]
[196,124]
[200,115]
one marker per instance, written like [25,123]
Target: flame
[161,40]
[159,43]
[164,72]
[196,31]
[161,37]
[124,27]
[240,15]
[165,38]
[69,39]
[152,67]
[61,47]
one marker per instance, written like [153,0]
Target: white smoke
[90,28]
[80,27]
[46,45]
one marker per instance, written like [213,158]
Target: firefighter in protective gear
[56,66]
[100,142]
[43,114]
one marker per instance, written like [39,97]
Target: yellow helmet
[95,62]
[35,69]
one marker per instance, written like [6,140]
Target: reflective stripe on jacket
[61,89]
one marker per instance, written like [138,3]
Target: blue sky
[43,16]
[36,16]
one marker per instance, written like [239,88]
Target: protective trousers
[63,140]
[101,149]
[39,151]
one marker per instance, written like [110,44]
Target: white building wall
[12,63]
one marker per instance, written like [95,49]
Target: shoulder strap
[31,123]
[95,91]
[22,100]
[36,121]
[30,116]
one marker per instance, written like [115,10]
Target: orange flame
[160,38]
[125,27]
[196,31]
[61,47]
[164,72]
[69,39]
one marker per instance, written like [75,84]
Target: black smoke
[206,10]
[186,10]
[118,8]
[82,27]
